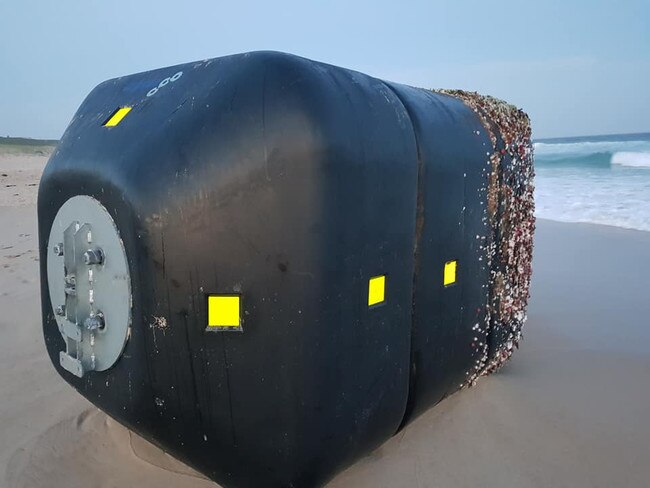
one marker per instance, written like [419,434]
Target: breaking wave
[598,181]
[600,154]
[631,159]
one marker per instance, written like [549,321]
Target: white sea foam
[595,196]
[632,159]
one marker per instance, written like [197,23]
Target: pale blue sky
[576,66]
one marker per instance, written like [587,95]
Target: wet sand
[572,408]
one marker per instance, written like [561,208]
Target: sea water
[598,179]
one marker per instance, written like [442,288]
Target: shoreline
[27,168]
[594,224]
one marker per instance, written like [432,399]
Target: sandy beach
[570,409]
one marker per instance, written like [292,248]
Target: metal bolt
[93,256]
[70,287]
[95,321]
[58,249]
[60,310]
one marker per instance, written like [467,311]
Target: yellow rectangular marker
[450,273]
[117,116]
[224,311]
[376,290]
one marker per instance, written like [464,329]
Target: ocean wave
[601,154]
[631,159]
[593,160]
[597,181]
[546,149]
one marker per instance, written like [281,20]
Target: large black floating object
[268,265]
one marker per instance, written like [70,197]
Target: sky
[577,67]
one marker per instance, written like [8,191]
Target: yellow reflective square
[117,116]
[450,273]
[376,290]
[224,311]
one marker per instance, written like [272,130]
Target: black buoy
[267,265]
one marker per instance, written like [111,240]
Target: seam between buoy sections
[419,226]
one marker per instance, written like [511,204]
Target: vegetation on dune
[23,145]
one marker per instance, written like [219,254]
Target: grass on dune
[22,145]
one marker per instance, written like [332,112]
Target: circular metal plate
[90,286]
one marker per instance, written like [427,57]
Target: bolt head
[58,249]
[93,256]
[95,321]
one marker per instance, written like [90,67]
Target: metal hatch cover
[90,286]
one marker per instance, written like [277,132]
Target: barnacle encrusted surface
[510,215]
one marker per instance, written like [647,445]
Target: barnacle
[510,214]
